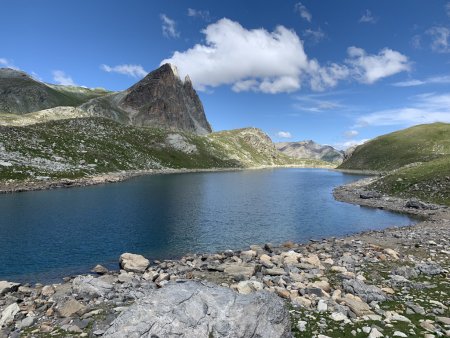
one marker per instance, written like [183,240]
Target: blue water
[45,235]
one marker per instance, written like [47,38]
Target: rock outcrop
[200,309]
[311,150]
[161,99]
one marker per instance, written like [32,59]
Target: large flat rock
[200,309]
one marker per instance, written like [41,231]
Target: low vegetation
[79,147]
[415,162]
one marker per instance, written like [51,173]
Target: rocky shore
[389,283]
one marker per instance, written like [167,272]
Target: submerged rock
[200,309]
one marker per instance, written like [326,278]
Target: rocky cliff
[310,150]
[161,99]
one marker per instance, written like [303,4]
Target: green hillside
[86,146]
[416,162]
[421,143]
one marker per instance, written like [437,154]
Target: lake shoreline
[15,186]
[339,284]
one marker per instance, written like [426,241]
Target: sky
[336,72]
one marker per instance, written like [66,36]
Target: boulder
[239,270]
[200,309]
[69,307]
[366,292]
[8,314]
[89,286]
[134,263]
[358,307]
[6,287]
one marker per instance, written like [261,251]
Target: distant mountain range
[311,150]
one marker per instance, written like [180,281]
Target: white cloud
[426,108]
[62,78]
[371,68]
[273,62]
[7,64]
[169,27]
[431,80]
[351,133]
[284,134]
[315,103]
[367,17]
[349,144]
[202,14]
[314,35]
[136,71]
[303,11]
[440,37]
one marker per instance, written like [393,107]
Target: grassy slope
[83,146]
[418,159]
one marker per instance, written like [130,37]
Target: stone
[374,333]
[69,308]
[266,261]
[322,284]
[429,268]
[201,309]
[100,269]
[405,271]
[301,301]
[133,263]
[313,260]
[322,306]
[400,334]
[48,291]
[443,320]
[6,287]
[366,292]
[340,269]
[394,254]
[338,317]
[428,325]
[369,195]
[275,272]
[8,314]
[239,270]
[301,325]
[248,255]
[282,292]
[358,307]
[246,287]
[89,286]
[391,316]
[26,322]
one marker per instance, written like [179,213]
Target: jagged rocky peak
[162,99]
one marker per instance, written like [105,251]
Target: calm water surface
[45,235]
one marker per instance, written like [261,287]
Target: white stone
[8,314]
[399,334]
[338,317]
[322,306]
[375,333]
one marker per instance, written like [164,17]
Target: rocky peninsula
[389,283]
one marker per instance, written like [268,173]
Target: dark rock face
[200,309]
[161,99]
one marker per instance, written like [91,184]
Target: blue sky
[337,72]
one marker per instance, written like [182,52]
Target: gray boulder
[89,286]
[201,309]
[368,293]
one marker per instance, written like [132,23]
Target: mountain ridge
[312,150]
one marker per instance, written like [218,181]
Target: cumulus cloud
[284,134]
[202,14]
[440,37]
[371,68]
[431,80]
[351,133]
[367,17]
[169,27]
[62,78]
[136,71]
[425,108]
[303,11]
[272,62]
